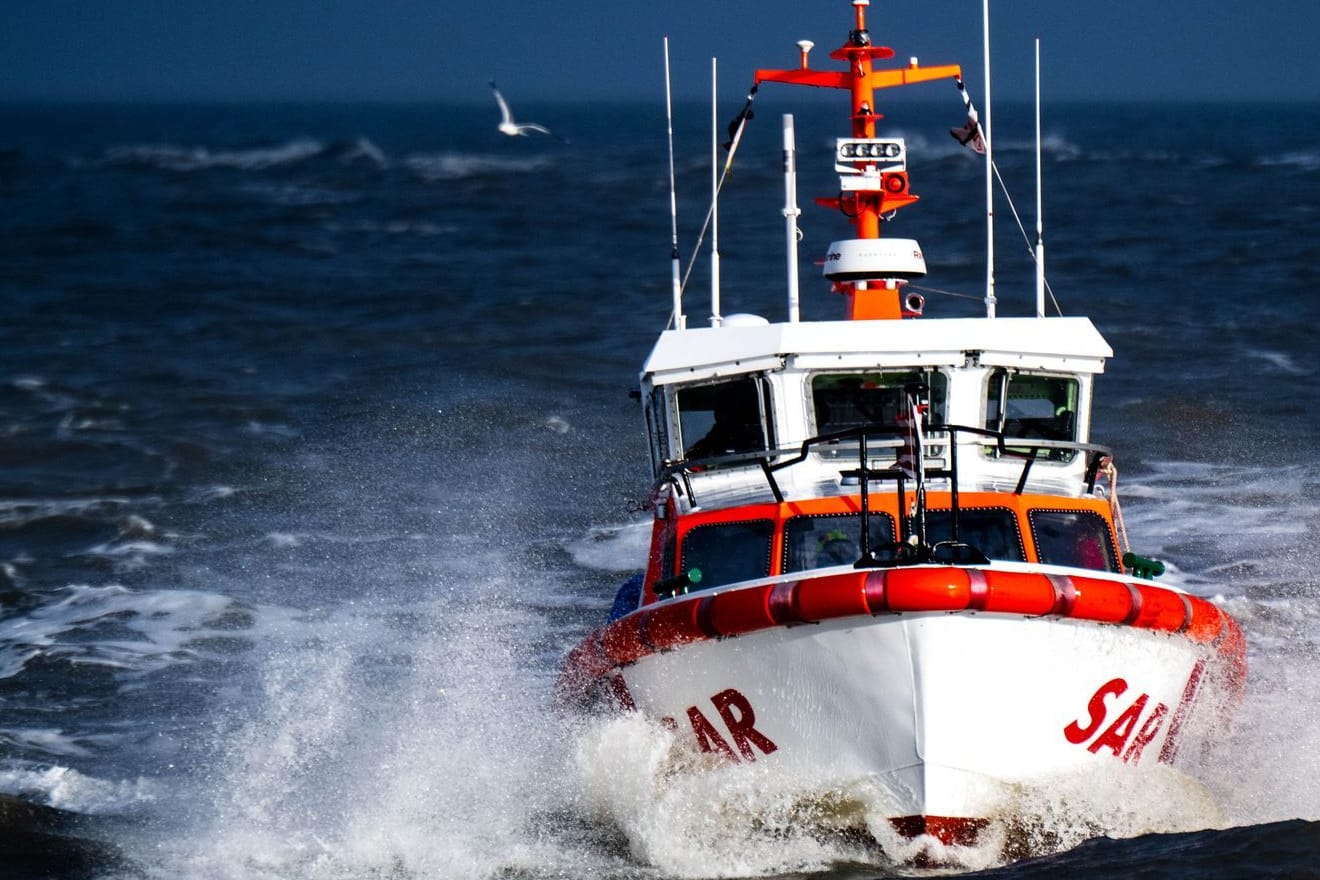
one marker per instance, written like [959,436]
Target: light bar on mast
[887,154]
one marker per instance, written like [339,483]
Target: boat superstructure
[872,535]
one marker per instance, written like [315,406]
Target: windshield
[1078,538]
[854,400]
[1035,406]
[831,539]
[722,419]
[992,530]
[726,553]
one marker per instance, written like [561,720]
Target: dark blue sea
[317,454]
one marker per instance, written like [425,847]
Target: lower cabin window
[1077,538]
[726,553]
[992,530]
[831,539]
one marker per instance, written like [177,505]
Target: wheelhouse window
[831,539]
[1077,538]
[1033,406]
[657,427]
[992,530]
[726,553]
[724,418]
[841,401]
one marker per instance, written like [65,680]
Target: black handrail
[885,435]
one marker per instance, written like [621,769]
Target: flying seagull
[507,125]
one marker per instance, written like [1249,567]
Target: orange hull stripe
[668,625]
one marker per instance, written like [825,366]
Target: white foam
[458,166]
[363,150]
[1305,160]
[19,511]
[67,789]
[366,755]
[1257,523]
[613,548]
[285,540]
[173,157]
[691,817]
[1281,361]
[161,628]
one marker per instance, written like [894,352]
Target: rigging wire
[735,137]
[1030,250]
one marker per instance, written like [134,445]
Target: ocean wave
[1279,360]
[173,157]
[300,195]
[25,511]
[459,166]
[420,229]
[66,789]
[362,151]
[118,628]
[1303,160]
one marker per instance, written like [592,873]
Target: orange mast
[864,198]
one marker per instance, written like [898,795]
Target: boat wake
[726,822]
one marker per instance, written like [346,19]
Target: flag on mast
[740,121]
[970,134]
[911,455]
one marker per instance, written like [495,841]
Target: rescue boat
[885,548]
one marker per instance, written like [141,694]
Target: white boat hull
[948,714]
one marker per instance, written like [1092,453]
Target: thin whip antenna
[989,172]
[715,319]
[791,213]
[676,317]
[1040,203]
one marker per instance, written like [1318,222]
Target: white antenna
[791,213]
[680,322]
[989,173]
[715,319]
[1040,203]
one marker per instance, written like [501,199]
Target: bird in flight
[507,125]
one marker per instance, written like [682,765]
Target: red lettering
[1116,736]
[1170,750]
[708,738]
[669,724]
[622,696]
[740,726]
[1147,733]
[1096,708]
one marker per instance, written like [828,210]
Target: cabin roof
[1066,343]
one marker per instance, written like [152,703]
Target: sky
[547,50]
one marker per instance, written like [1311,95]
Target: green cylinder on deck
[1143,566]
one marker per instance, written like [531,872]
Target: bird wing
[532,126]
[504,105]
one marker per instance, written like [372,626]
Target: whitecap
[363,150]
[1305,160]
[1280,360]
[18,512]
[52,741]
[172,157]
[458,166]
[148,630]
[66,789]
